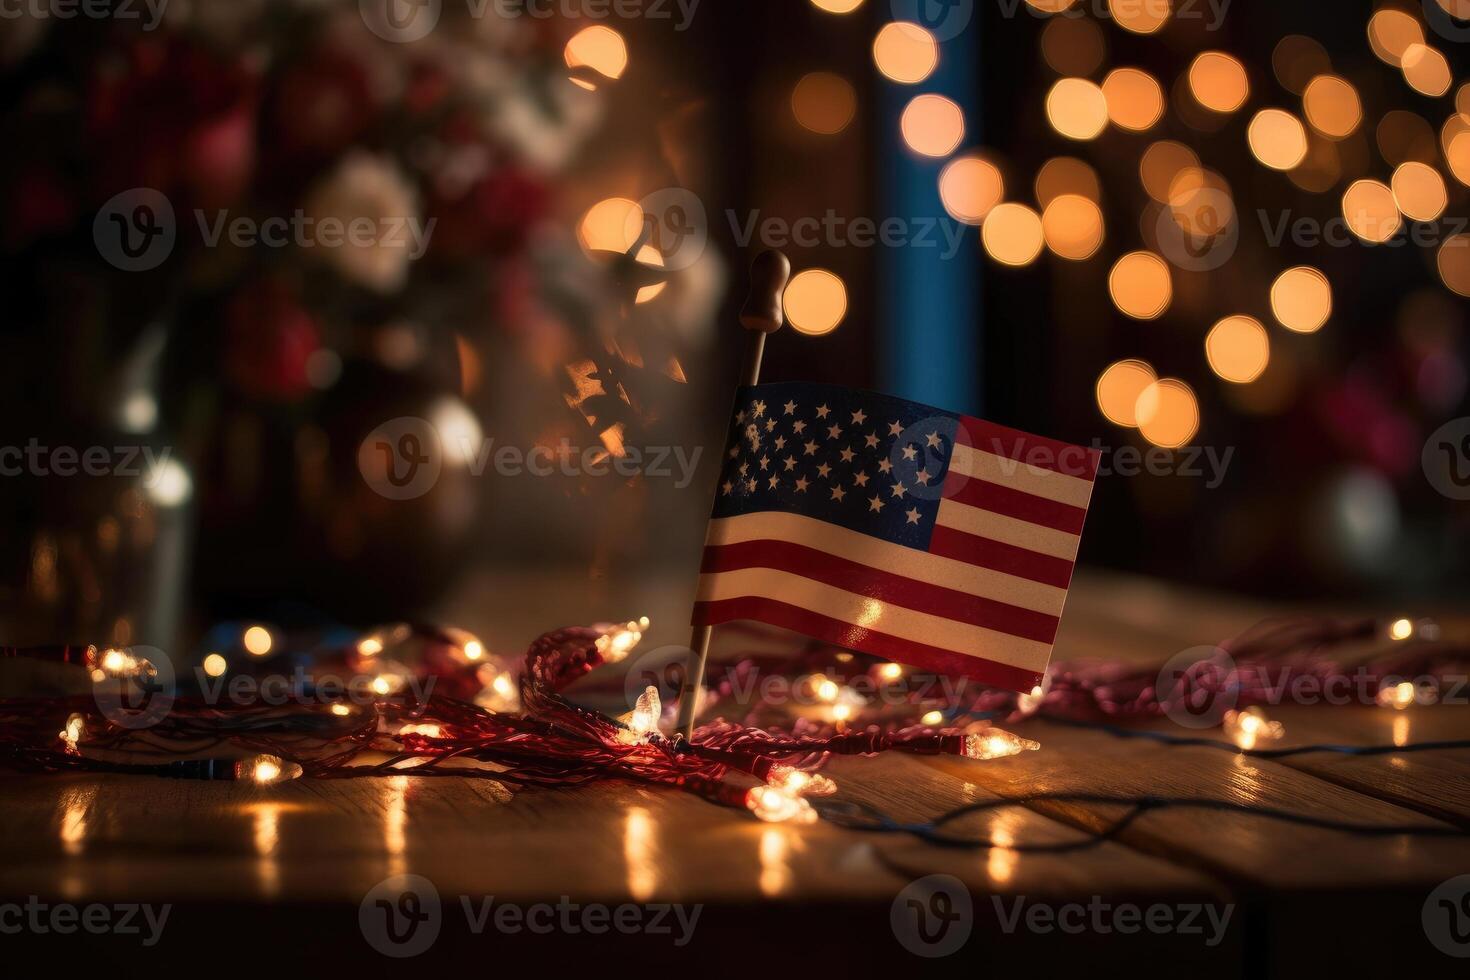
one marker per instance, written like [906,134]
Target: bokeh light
[1426,70]
[1391,32]
[1073,227]
[1277,139]
[1419,191]
[599,48]
[1322,168]
[905,52]
[969,187]
[1238,349]
[1140,16]
[1454,263]
[837,6]
[1140,285]
[1168,414]
[1134,99]
[1073,45]
[1301,299]
[1200,203]
[1371,212]
[1332,106]
[932,125]
[1298,59]
[1077,108]
[823,102]
[1051,6]
[1066,175]
[1012,234]
[1160,164]
[1403,136]
[1454,139]
[1218,81]
[815,302]
[610,225]
[1118,389]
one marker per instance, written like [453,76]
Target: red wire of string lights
[552,742]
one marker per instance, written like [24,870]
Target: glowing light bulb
[646,712]
[76,725]
[617,641]
[992,743]
[474,650]
[827,689]
[116,662]
[1250,727]
[382,686]
[370,646]
[841,712]
[215,665]
[428,731]
[1401,629]
[775,804]
[890,672]
[932,718]
[1398,696]
[504,686]
[341,710]
[801,782]
[266,769]
[258,641]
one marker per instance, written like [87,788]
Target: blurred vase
[96,542]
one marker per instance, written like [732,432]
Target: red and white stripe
[984,602]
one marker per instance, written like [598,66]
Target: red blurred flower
[269,340]
[174,117]
[496,214]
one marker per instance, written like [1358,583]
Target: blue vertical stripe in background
[929,316]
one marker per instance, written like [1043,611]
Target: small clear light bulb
[993,743]
[266,769]
[775,804]
[801,782]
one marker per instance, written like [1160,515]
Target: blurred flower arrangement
[467,302]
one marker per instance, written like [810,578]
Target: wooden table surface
[252,871]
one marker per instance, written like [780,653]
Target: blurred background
[1224,244]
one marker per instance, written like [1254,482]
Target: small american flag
[897,529]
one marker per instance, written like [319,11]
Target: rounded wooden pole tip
[769,274]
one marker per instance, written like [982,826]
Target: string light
[1401,629]
[215,665]
[1277,139]
[890,672]
[266,769]
[615,643]
[1134,99]
[71,734]
[1332,106]
[370,646]
[1250,727]
[1371,211]
[993,743]
[801,782]
[1398,696]
[593,51]
[473,650]
[647,710]
[1218,81]
[1140,285]
[969,187]
[775,804]
[1072,226]
[1419,191]
[933,719]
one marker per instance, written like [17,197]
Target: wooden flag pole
[761,315]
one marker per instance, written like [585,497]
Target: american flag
[896,529]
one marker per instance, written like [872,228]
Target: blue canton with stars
[864,461]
